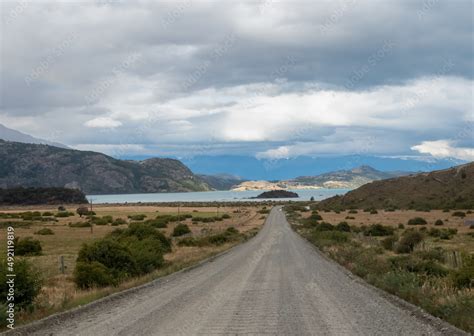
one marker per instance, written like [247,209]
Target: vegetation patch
[404,262]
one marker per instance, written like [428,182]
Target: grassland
[59,291]
[430,265]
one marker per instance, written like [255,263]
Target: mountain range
[35,165]
[341,179]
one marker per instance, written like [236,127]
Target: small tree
[82,211]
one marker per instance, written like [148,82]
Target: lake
[210,196]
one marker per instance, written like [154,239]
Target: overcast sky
[263,78]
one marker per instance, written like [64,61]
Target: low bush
[417,221]
[27,247]
[315,217]
[80,224]
[92,274]
[464,277]
[408,242]
[350,217]
[119,221]
[324,227]
[439,222]
[377,230]
[180,230]
[343,226]
[64,214]
[44,231]
[373,212]
[225,216]
[138,217]
[352,211]
[389,242]
[459,214]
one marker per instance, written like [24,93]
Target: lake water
[210,196]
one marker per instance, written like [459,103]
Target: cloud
[103,122]
[271,79]
[445,149]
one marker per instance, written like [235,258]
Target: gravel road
[275,284]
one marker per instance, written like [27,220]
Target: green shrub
[352,211]
[464,277]
[142,231]
[350,217]
[373,212]
[28,282]
[343,226]
[401,226]
[63,214]
[47,214]
[116,257]
[138,217]
[403,284]
[439,222]
[232,230]
[408,242]
[92,274]
[416,265]
[99,221]
[80,224]
[377,230]
[459,214]
[225,216]
[27,247]
[119,221]
[417,221]
[389,242]
[324,227]
[147,253]
[45,231]
[316,217]
[180,230]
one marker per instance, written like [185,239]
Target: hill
[33,165]
[448,188]
[341,179]
[221,181]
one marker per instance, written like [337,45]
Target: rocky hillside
[33,165]
[221,181]
[448,188]
[341,179]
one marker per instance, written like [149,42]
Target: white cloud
[103,122]
[445,149]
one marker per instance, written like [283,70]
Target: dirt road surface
[275,284]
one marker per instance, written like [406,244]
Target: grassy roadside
[427,265]
[207,236]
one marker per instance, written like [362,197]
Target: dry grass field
[428,261]
[59,291]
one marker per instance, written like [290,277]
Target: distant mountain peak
[9,134]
